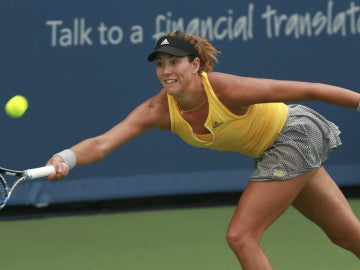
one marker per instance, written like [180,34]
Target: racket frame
[25,175]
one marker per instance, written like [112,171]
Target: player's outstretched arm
[150,114]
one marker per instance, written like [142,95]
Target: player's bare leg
[322,202]
[259,206]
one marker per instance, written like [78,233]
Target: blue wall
[82,65]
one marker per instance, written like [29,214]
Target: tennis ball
[16,106]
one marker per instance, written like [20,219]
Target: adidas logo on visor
[165,42]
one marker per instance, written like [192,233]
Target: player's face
[174,73]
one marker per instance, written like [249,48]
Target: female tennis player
[225,112]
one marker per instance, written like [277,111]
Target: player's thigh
[262,203]
[322,201]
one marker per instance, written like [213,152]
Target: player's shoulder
[158,101]
[158,109]
[227,81]
[220,82]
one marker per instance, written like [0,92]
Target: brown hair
[208,53]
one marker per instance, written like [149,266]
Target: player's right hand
[61,169]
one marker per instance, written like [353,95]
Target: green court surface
[191,238]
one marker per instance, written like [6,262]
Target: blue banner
[82,66]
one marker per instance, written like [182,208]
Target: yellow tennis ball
[16,106]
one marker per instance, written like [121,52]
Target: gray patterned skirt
[305,142]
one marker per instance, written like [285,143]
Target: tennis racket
[21,176]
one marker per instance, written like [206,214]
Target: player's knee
[347,241]
[235,240]
[239,239]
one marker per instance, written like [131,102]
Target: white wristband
[358,107]
[68,157]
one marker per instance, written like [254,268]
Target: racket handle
[39,172]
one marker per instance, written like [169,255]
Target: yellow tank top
[250,134]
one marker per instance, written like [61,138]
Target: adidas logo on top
[165,42]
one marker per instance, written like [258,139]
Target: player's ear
[196,65]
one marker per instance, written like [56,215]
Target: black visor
[174,46]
